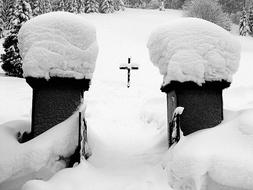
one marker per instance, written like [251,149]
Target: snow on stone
[221,156]
[129,66]
[58,44]
[191,49]
[178,111]
[41,152]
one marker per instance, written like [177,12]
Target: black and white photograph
[126,94]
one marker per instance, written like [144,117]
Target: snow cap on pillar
[58,44]
[196,50]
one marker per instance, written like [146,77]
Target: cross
[129,67]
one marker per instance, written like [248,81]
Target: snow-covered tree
[81,6]
[72,6]
[233,6]
[68,5]
[106,6]
[251,19]
[243,26]
[1,5]
[91,6]
[1,21]
[55,5]
[6,12]
[35,5]
[161,7]
[111,5]
[1,28]
[208,10]
[75,6]
[12,62]
[46,6]
[119,5]
[61,5]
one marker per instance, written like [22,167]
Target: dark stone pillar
[54,101]
[203,105]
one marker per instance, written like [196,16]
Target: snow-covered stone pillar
[197,59]
[59,52]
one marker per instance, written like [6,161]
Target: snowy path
[125,138]
[115,112]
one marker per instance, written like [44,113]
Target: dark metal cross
[129,67]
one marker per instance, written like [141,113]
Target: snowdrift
[192,49]
[217,157]
[47,151]
[58,44]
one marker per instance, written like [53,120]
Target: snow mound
[58,44]
[43,152]
[220,155]
[192,49]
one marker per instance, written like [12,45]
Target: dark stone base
[54,101]
[203,105]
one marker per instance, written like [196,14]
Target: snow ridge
[219,155]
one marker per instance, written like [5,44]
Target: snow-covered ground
[126,127]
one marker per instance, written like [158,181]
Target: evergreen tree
[47,7]
[111,5]
[106,6]
[12,62]
[6,12]
[243,26]
[208,10]
[35,5]
[75,6]
[68,5]
[61,6]
[231,6]
[177,4]
[161,7]
[1,21]
[81,6]
[119,5]
[91,6]
[72,6]
[55,5]
[251,19]
[1,28]
[1,5]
